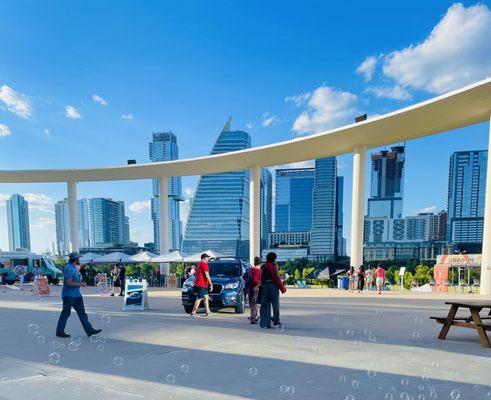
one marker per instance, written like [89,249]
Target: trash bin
[343,282]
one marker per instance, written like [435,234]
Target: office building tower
[325,211]
[63,228]
[108,223]
[266,207]
[219,213]
[18,223]
[387,182]
[466,196]
[293,200]
[164,148]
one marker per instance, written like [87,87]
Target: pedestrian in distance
[202,282]
[122,279]
[115,279]
[369,278]
[253,282]
[361,278]
[271,286]
[380,278]
[72,297]
[20,271]
[351,278]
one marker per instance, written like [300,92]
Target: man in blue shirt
[72,297]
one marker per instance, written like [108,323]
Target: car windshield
[225,269]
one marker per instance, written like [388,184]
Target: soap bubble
[185,368]
[100,348]
[76,339]
[455,394]
[418,320]
[355,383]
[171,378]
[33,329]
[253,371]
[349,397]
[350,332]
[389,396]
[433,394]
[421,397]
[283,389]
[404,382]
[416,335]
[40,339]
[106,318]
[404,396]
[342,379]
[54,358]
[94,339]
[371,373]
[291,390]
[72,346]
[118,361]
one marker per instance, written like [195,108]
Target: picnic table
[472,321]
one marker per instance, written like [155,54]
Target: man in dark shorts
[201,282]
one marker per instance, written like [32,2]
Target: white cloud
[99,100]
[429,209]
[298,99]
[395,92]
[72,113]
[16,102]
[269,120]
[39,202]
[127,116]
[327,108]
[3,198]
[457,52]
[4,130]
[250,125]
[188,192]
[43,223]
[140,206]
[367,68]
[47,132]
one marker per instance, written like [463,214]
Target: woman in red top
[272,285]
[253,288]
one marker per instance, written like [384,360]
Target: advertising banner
[41,287]
[460,260]
[440,275]
[135,295]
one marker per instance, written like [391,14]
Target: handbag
[259,295]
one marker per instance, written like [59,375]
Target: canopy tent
[197,257]
[174,256]
[115,257]
[142,257]
[88,258]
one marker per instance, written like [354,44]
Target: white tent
[174,256]
[197,257]
[116,257]
[144,256]
[89,258]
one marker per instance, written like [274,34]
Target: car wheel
[240,308]
[188,309]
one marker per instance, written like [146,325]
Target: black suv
[227,275]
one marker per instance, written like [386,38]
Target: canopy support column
[72,216]
[255,213]
[163,222]
[357,205]
[486,237]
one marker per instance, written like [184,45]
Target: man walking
[201,283]
[380,277]
[122,278]
[71,297]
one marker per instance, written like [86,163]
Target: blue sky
[85,83]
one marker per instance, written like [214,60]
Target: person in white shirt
[20,271]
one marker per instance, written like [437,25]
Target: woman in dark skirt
[361,278]
[253,281]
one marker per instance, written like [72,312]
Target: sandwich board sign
[41,287]
[135,295]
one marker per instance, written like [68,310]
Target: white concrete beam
[255,213]
[72,216]
[486,237]
[358,205]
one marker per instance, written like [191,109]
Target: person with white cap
[72,297]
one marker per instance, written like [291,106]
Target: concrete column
[72,216]
[163,222]
[358,205]
[255,213]
[486,237]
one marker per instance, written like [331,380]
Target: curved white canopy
[115,257]
[459,108]
[174,256]
[141,257]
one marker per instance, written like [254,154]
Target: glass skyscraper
[18,223]
[164,148]
[219,213]
[466,196]
[293,202]
[266,207]
[108,223]
[63,227]
[325,229]
[387,182]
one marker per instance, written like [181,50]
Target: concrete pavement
[333,346]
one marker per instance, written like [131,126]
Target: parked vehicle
[227,275]
[10,259]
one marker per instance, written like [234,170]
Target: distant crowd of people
[370,277]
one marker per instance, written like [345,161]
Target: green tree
[297,275]
[423,274]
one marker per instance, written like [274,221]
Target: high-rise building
[108,223]
[293,200]
[266,207]
[18,223]
[466,196]
[164,148]
[63,226]
[325,211]
[219,213]
[387,182]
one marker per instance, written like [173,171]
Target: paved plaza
[334,346]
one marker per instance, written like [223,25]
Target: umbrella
[144,256]
[175,256]
[197,257]
[88,258]
[116,257]
[323,274]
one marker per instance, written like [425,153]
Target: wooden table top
[470,304]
